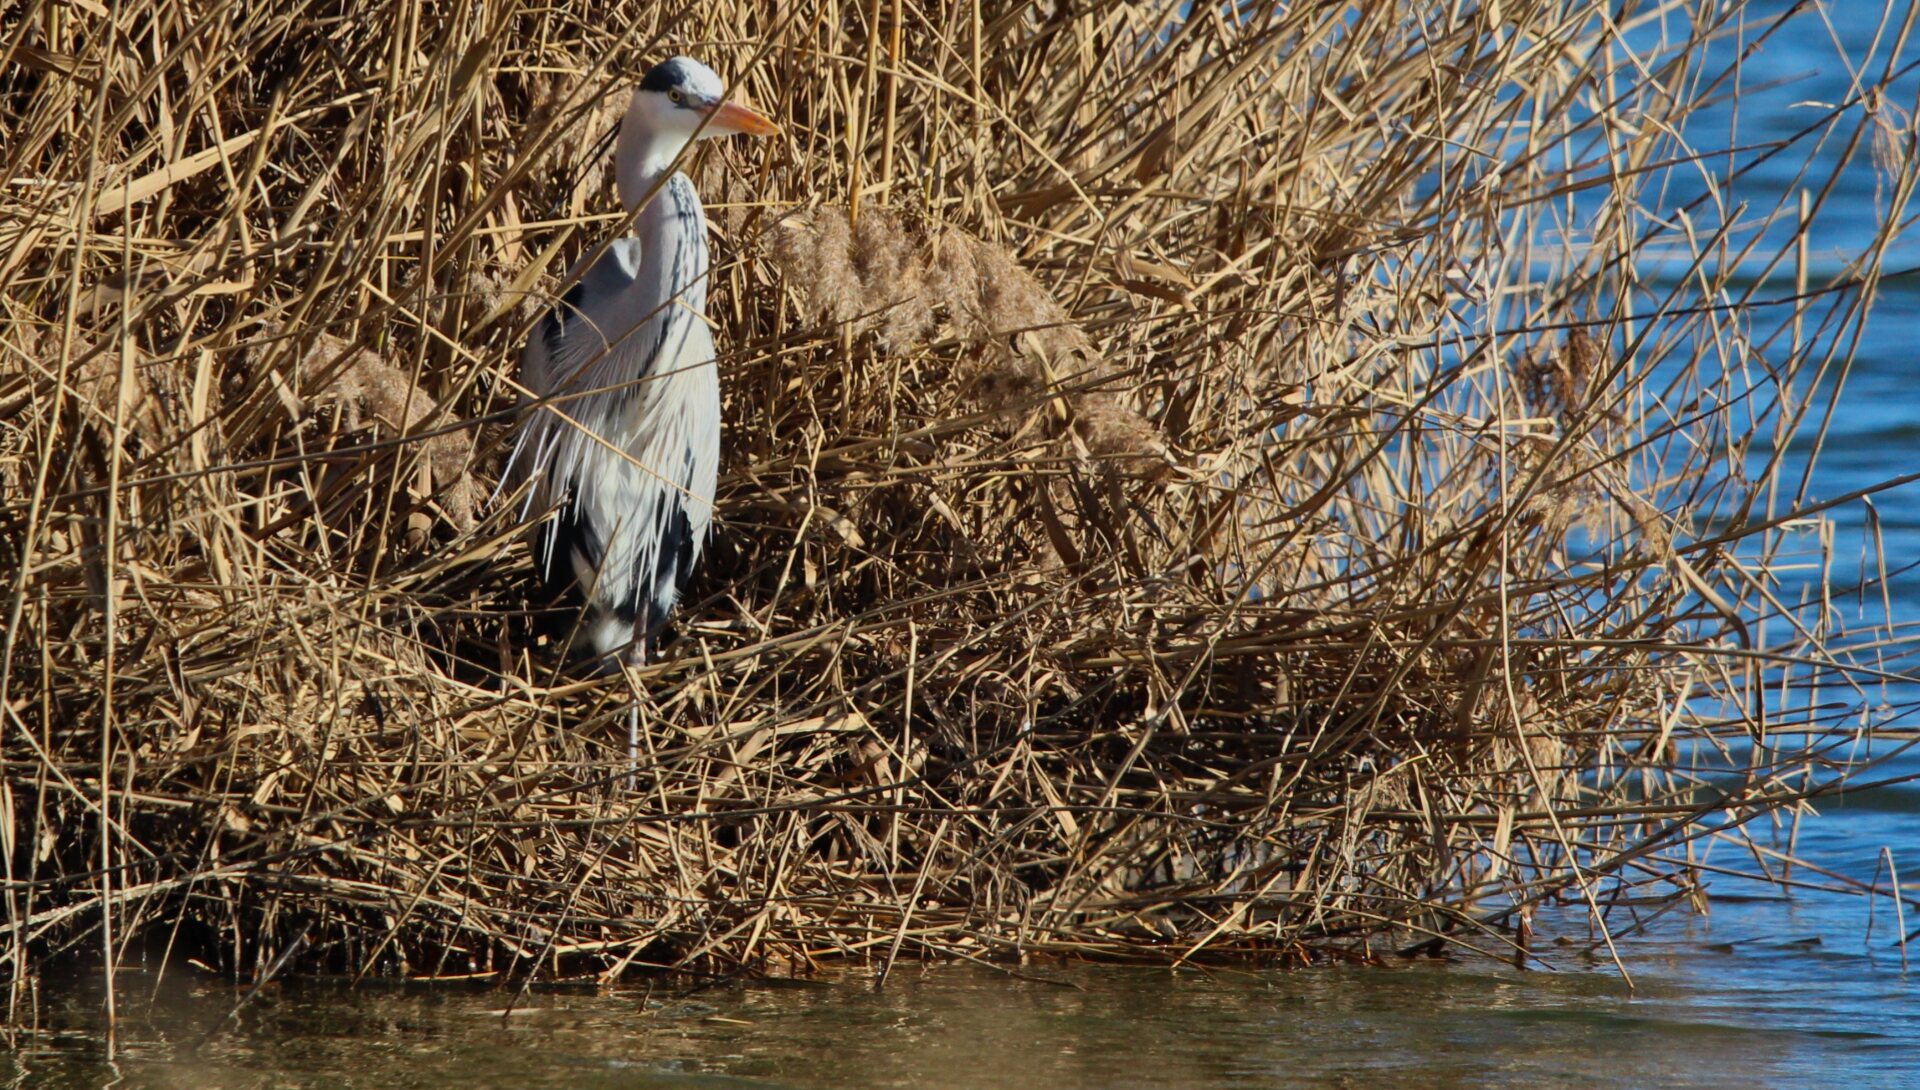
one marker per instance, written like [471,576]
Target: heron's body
[630,448]
[625,447]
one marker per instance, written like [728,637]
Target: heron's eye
[674,95]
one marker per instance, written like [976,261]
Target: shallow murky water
[1731,1002]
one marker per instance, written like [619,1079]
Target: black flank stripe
[575,533]
[556,325]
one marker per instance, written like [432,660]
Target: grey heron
[625,442]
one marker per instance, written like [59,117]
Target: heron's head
[679,96]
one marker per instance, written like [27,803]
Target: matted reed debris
[1235,483]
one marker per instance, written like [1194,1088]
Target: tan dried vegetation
[1199,485]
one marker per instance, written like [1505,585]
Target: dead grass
[1195,488]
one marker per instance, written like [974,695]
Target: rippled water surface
[1741,1003]
[1764,991]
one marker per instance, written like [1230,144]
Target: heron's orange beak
[732,117]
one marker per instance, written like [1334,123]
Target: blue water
[1824,1004]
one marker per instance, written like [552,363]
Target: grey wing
[566,341]
[591,315]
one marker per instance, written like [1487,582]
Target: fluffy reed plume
[1180,501]
[367,387]
[873,275]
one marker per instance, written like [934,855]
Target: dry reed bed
[1181,501]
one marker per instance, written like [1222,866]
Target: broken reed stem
[1192,521]
[1899,905]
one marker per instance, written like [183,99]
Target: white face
[677,95]
[677,100]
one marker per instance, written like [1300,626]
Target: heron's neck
[670,286]
[672,227]
[642,157]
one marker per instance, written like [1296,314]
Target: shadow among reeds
[1198,485]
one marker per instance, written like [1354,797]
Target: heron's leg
[633,747]
[636,655]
